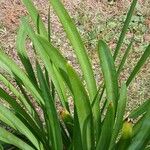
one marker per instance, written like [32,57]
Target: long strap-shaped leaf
[18,95]
[109,72]
[82,105]
[35,17]
[19,125]
[142,138]
[138,66]
[58,60]
[21,50]
[125,56]
[17,108]
[42,51]
[22,114]
[120,67]
[78,46]
[137,126]
[21,75]
[119,115]
[51,114]
[110,76]
[8,137]
[7,121]
[4,68]
[121,38]
[125,28]
[77,139]
[107,128]
[53,53]
[140,110]
[63,88]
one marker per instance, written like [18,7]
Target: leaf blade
[82,104]
[107,128]
[139,64]
[78,46]
[8,137]
[35,17]
[119,115]
[19,125]
[21,75]
[21,50]
[125,27]
[109,72]
[50,113]
[142,137]
[140,110]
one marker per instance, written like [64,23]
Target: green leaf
[21,75]
[86,133]
[97,119]
[35,17]
[53,53]
[140,110]
[33,123]
[59,61]
[18,109]
[121,65]
[77,137]
[82,104]
[51,113]
[64,101]
[137,125]
[47,77]
[107,129]
[142,138]
[18,95]
[8,137]
[49,39]
[1,147]
[109,72]
[125,28]
[4,68]
[20,44]
[28,99]
[7,121]
[20,126]
[119,115]
[138,66]
[21,50]
[125,56]
[66,139]
[78,46]
[44,51]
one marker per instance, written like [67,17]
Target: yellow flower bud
[127,130]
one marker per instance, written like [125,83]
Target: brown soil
[12,10]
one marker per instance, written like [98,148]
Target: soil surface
[90,16]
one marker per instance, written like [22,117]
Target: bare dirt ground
[95,19]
